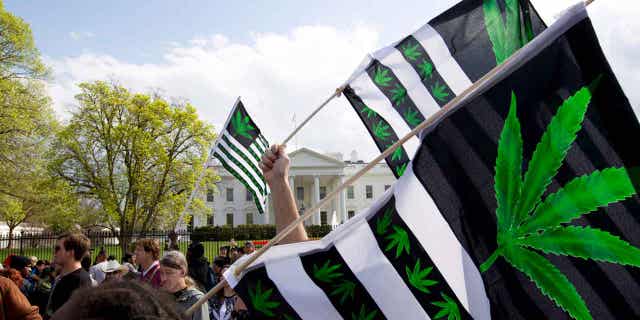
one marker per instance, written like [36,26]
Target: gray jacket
[187,298]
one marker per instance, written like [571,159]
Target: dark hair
[196,249]
[86,262]
[77,242]
[150,245]
[40,262]
[127,257]
[121,300]
[220,262]
[14,275]
[112,257]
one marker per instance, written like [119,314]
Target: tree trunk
[10,242]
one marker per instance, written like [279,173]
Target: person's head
[21,264]
[173,271]
[111,258]
[218,264]
[233,254]
[32,261]
[113,270]
[223,251]
[129,257]
[86,262]
[249,247]
[14,275]
[195,251]
[173,236]
[41,265]
[147,251]
[101,257]
[70,248]
[115,300]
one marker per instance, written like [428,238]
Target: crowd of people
[144,285]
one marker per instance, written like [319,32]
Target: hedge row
[249,232]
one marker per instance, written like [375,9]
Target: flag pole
[513,61]
[204,170]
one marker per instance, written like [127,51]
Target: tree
[137,155]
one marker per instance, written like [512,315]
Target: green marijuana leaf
[397,154]
[439,91]
[345,289]
[369,112]
[418,277]
[412,53]
[448,308]
[363,315]
[381,130]
[506,37]
[287,317]
[399,239]
[400,169]
[260,300]
[398,94]
[381,77]
[412,117]
[425,69]
[383,223]
[327,273]
[526,222]
[241,125]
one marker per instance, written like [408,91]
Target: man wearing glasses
[69,251]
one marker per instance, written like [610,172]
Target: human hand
[275,165]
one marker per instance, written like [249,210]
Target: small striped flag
[239,149]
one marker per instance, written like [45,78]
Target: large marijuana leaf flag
[521,203]
[401,85]
[239,149]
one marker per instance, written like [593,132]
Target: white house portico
[312,175]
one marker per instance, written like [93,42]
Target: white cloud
[277,75]
[76,35]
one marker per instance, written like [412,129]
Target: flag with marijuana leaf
[399,86]
[520,203]
[239,148]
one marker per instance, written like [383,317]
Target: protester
[173,242]
[116,300]
[233,254]
[86,265]
[199,269]
[223,251]
[13,275]
[173,271]
[69,251]
[101,257]
[226,305]
[40,265]
[249,247]
[96,269]
[275,167]
[147,254]
[114,271]
[40,296]
[21,264]
[129,261]
[218,265]
[13,304]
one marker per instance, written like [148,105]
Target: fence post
[21,234]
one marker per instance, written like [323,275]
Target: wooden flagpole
[433,119]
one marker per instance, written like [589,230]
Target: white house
[312,176]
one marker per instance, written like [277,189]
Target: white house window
[369,191]
[323,218]
[300,193]
[230,219]
[210,195]
[323,192]
[210,219]
[386,186]
[350,194]
[230,194]
[248,195]
[249,218]
[351,213]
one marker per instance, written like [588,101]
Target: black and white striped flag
[399,86]
[239,148]
[519,204]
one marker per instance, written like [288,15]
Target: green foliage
[381,130]
[411,52]
[242,126]
[345,289]
[520,229]
[383,223]
[448,308]
[418,277]
[425,69]
[412,117]
[381,78]
[137,155]
[364,314]
[439,91]
[260,300]
[369,112]
[398,239]
[249,232]
[398,94]
[327,273]
[506,38]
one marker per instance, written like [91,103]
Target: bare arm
[275,167]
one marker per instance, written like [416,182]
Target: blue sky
[282,57]
[140,31]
